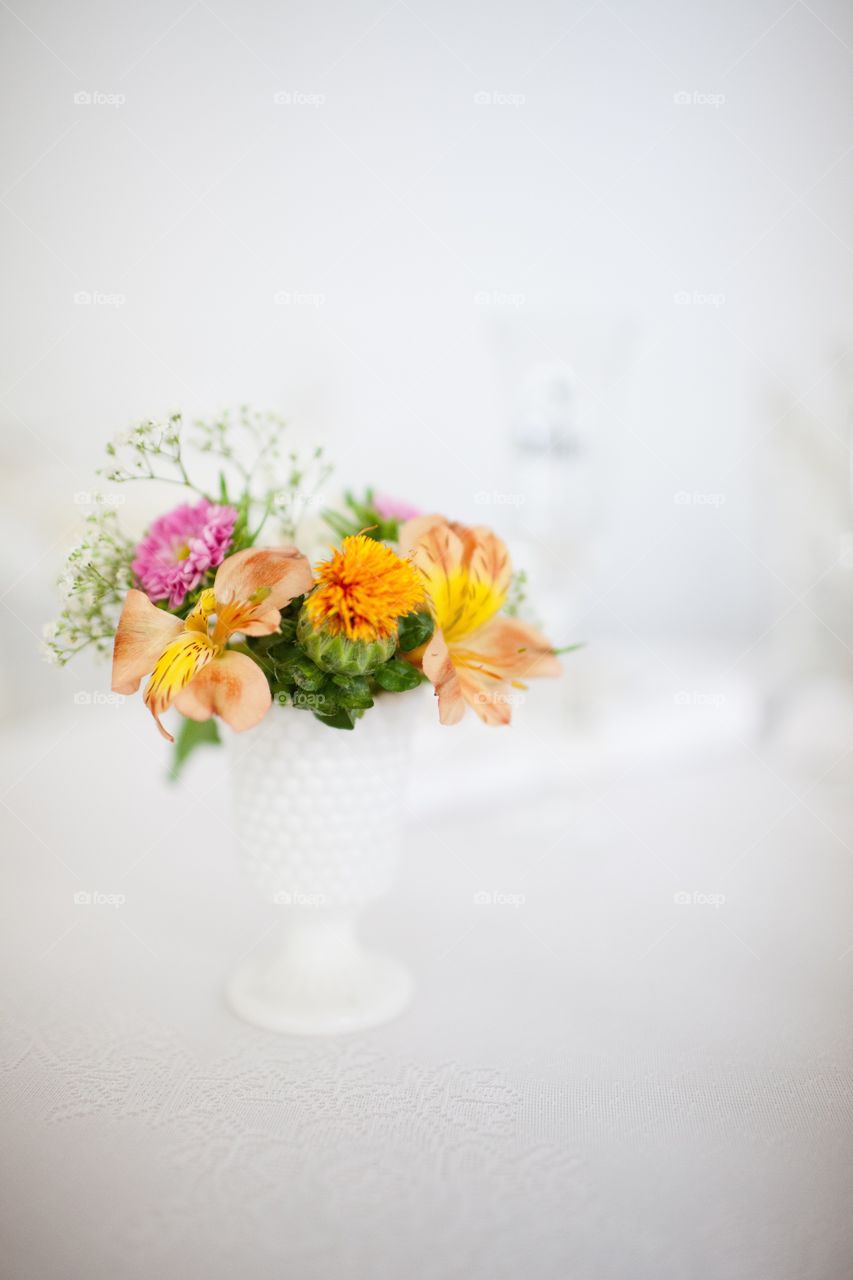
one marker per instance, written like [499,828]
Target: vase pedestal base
[322,982]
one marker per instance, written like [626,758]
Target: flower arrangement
[223,616]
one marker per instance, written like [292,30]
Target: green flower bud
[338,654]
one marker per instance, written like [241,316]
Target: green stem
[185,484]
[254,536]
[71,653]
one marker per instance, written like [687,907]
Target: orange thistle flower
[362,590]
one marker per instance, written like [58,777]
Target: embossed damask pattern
[343,1160]
[594,1082]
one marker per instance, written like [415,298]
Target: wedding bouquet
[226,617]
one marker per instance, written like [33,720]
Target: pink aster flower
[393,508]
[180,547]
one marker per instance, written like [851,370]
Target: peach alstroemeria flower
[187,658]
[476,655]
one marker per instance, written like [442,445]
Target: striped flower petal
[441,673]
[466,571]
[181,660]
[476,654]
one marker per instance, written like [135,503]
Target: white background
[402,202]
[448,202]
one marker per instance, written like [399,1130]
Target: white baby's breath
[255,471]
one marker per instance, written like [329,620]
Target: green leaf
[414,630]
[287,630]
[339,524]
[342,719]
[362,518]
[285,652]
[191,734]
[350,692]
[306,673]
[396,675]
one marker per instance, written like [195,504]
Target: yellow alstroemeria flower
[188,659]
[476,655]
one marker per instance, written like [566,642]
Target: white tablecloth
[635,1062]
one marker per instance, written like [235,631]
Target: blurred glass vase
[319,815]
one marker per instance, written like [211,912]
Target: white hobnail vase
[318,812]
